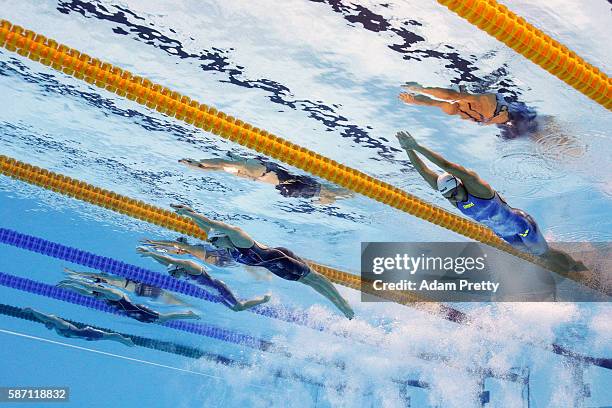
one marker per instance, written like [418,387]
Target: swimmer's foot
[579,266]
[348,311]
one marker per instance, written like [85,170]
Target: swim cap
[447,182]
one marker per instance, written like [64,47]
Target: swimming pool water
[325,75]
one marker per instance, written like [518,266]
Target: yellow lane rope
[501,23]
[137,209]
[123,83]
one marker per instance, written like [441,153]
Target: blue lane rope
[178,349]
[43,289]
[152,278]
[136,273]
[160,345]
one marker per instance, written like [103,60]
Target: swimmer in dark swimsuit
[205,252]
[182,267]
[514,119]
[260,169]
[119,300]
[280,261]
[137,288]
[66,329]
[478,200]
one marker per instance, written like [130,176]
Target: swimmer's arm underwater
[235,234]
[470,178]
[44,318]
[190,267]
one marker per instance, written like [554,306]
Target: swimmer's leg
[322,285]
[229,299]
[562,261]
[558,260]
[164,317]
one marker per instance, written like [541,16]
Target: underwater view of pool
[325,75]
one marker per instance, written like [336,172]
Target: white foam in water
[314,54]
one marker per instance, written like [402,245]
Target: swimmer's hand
[144,251]
[182,209]
[407,141]
[191,162]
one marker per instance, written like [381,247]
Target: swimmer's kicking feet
[478,200]
[280,261]
[69,330]
[116,298]
[182,267]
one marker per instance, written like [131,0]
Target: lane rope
[535,45]
[72,62]
[137,209]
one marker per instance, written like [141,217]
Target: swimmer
[280,261]
[137,288]
[182,267]
[478,200]
[206,253]
[260,169]
[69,330]
[513,118]
[116,298]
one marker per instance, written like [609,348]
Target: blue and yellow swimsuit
[514,226]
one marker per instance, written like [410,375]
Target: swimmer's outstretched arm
[88,289]
[470,178]
[235,234]
[190,266]
[117,337]
[428,174]
[45,318]
[77,287]
[176,247]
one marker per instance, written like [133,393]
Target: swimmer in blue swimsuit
[263,170]
[116,298]
[66,329]
[280,261]
[478,200]
[183,267]
[514,119]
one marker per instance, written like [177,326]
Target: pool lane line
[135,273]
[54,292]
[119,356]
[137,209]
[535,45]
[229,336]
[153,344]
[104,75]
[180,349]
